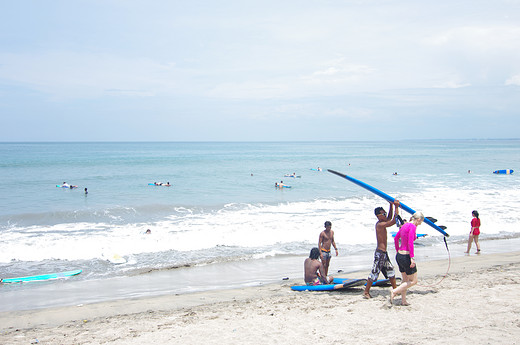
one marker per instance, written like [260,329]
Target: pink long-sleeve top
[404,238]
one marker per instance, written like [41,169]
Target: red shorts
[476,232]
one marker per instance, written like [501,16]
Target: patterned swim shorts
[383,265]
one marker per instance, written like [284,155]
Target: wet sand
[477,302]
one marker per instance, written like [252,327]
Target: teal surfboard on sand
[345,284]
[379,282]
[390,199]
[41,277]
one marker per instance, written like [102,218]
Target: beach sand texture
[477,303]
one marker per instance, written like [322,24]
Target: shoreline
[234,275]
[487,284]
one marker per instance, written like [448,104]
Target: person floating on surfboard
[314,273]
[382,262]
[325,241]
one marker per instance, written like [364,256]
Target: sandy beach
[476,303]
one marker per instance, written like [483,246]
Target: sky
[259,70]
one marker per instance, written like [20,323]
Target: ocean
[222,223]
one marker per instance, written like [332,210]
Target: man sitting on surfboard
[314,271]
[382,262]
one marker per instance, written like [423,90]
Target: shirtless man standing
[314,271]
[382,262]
[325,241]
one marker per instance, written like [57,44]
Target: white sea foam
[243,226]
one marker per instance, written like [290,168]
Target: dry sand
[477,303]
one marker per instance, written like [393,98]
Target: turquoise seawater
[223,207]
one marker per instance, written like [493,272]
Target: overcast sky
[260,70]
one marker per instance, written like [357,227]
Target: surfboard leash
[447,270]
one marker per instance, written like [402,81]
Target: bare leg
[394,291]
[470,241]
[477,244]
[408,282]
[412,281]
[366,294]
[403,294]
[326,264]
[393,282]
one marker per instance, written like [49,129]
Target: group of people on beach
[316,266]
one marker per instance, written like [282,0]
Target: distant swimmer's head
[379,210]
[418,216]
[327,223]
[148,231]
[475,213]
[315,253]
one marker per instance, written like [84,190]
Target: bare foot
[392,295]
[366,295]
[466,252]
[404,303]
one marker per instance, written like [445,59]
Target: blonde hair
[418,216]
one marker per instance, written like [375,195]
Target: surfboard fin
[431,219]
[443,227]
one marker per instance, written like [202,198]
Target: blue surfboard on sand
[41,277]
[418,235]
[379,282]
[346,284]
[389,199]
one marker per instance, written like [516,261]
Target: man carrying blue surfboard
[382,262]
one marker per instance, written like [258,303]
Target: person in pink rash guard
[405,256]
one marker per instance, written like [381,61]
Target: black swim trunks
[404,261]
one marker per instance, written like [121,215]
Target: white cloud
[339,73]
[70,75]
[482,39]
[514,80]
[354,59]
[450,84]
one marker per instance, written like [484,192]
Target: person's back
[313,269]
[405,237]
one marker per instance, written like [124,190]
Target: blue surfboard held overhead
[389,199]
